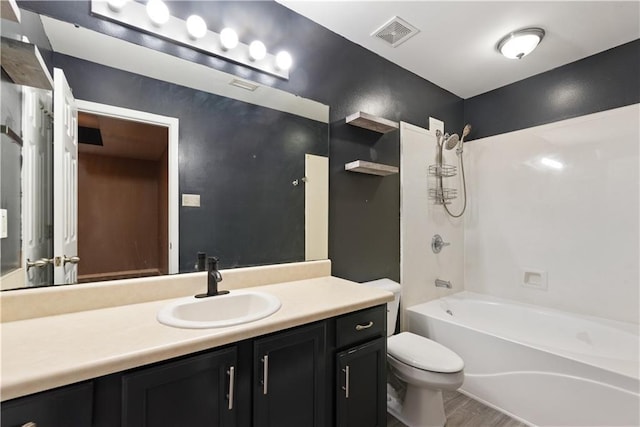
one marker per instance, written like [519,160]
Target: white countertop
[47,352]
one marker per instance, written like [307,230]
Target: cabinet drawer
[360,326]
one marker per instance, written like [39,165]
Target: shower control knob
[437,244]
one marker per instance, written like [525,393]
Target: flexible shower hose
[464,187]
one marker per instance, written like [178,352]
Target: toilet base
[421,407]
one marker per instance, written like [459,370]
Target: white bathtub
[542,366]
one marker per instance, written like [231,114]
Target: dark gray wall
[240,158]
[364,210]
[600,82]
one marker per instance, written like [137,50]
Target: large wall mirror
[173,160]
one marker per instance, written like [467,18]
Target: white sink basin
[234,308]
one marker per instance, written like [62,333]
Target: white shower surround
[421,219]
[542,366]
[561,198]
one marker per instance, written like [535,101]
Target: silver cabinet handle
[72,259]
[232,379]
[30,424]
[265,374]
[346,381]
[367,326]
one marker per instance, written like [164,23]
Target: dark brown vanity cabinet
[360,369]
[290,378]
[69,406]
[196,391]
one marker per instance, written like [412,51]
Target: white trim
[172,125]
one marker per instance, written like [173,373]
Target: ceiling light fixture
[228,39]
[518,44]
[196,27]
[257,50]
[158,12]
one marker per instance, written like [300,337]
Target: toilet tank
[392,306]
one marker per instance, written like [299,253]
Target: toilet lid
[423,353]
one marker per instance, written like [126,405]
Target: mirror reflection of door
[122,198]
[37,186]
[65,181]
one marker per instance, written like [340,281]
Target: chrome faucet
[213,278]
[443,284]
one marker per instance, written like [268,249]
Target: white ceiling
[456,46]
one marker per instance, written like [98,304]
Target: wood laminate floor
[462,411]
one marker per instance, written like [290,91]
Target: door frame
[172,125]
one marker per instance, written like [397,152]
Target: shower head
[451,141]
[439,137]
[466,131]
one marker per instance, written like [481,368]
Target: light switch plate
[3,224]
[191,200]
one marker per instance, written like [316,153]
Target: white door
[65,181]
[37,245]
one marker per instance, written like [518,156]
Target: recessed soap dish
[532,278]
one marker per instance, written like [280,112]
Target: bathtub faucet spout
[443,284]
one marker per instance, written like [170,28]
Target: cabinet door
[197,391]
[69,406]
[361,385]
[289,378]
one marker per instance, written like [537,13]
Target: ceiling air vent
[395,31]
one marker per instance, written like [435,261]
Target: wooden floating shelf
[371,122]
[24,64]
[9,10]
[370,168]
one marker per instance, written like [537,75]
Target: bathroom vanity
[318,361]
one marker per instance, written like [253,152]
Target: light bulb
[196,27]
[257,50]
[117,5]
[228,39]
[520,43]
[158,11]
[283,60]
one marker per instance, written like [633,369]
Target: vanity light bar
[134,15]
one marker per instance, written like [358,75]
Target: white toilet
[423,367]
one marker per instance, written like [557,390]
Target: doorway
[127,186]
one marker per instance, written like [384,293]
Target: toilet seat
[423,353]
